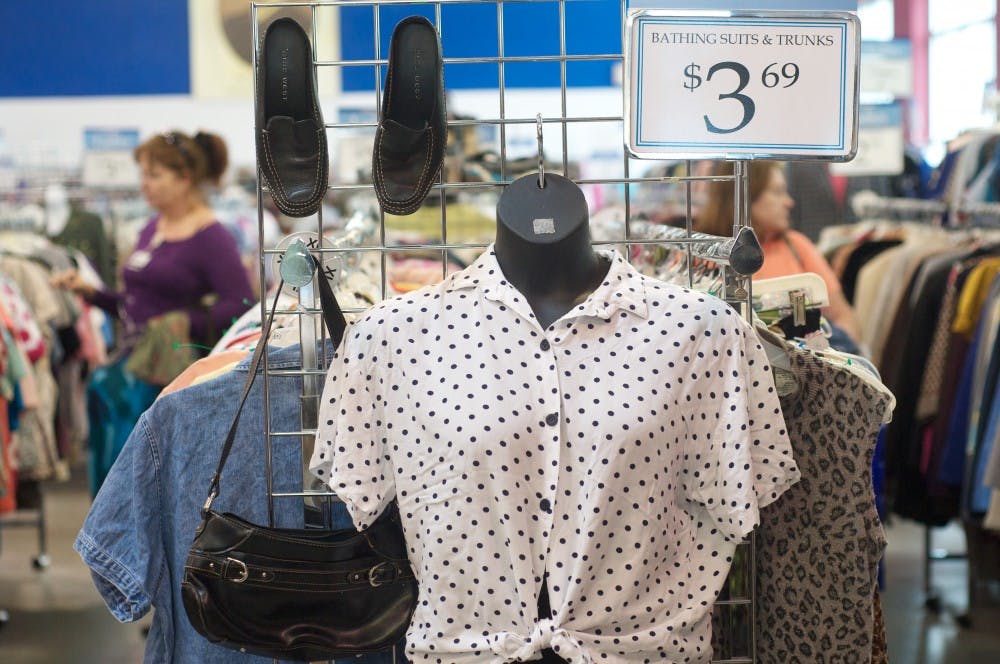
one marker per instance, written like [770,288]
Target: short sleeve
[351,455]
[738,457]
[121,539]
[813,261]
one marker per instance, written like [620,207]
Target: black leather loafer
[291,138]
[413,130]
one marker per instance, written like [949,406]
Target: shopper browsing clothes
[786,251]
[183,284]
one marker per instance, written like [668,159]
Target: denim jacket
[136,537]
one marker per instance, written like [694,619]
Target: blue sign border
[642,21]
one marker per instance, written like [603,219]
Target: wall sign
[887,67]
[107,158]
[880,142]
[741,85]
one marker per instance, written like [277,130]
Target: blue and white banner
[107,158]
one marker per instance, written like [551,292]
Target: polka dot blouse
[624,450]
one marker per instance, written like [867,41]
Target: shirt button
[552,419]
[545,345]
[545,505]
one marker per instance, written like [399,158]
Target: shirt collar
[623,289]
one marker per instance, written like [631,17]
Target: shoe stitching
[278,192]
[413,202]
[280,189]
[424,184]
[319,191]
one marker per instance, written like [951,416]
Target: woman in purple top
[183,254]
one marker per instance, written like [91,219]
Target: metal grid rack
[564,127]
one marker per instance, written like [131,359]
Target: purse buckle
[244,573]
[375,579]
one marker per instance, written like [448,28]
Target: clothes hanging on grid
[131,558]
[622,321]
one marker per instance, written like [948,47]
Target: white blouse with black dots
[625,450]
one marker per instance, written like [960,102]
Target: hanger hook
[541,152]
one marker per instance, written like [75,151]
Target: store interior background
[115,65]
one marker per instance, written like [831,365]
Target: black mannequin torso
[543,245]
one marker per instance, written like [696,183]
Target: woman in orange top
[785,251]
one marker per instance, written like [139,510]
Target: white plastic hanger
[779,292]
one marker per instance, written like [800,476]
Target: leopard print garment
[880,649]
[818,546]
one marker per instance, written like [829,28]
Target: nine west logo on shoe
[418,61]
[284,74]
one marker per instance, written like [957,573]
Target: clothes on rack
[138,531]
[49,342]
[85,231]
[39,313]
[12,371]
[937,295]
[819,544]
[394,399]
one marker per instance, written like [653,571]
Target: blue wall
[140,47]
[468,31]
[93,47]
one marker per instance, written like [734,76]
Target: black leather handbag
[297,594]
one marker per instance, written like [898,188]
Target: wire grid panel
[492,141]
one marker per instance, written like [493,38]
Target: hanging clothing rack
[737,599]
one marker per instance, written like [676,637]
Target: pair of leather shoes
[413,130]
[291,137]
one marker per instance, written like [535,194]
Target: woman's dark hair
[716,216]
[204,156]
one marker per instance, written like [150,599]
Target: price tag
[739,85]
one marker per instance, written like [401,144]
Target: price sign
[775,85]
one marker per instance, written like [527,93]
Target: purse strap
[335,323]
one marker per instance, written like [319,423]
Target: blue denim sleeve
[119,540]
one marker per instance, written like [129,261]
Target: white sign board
[107,158]
[798,5]
[887,67]
[880,142]
[737,85]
